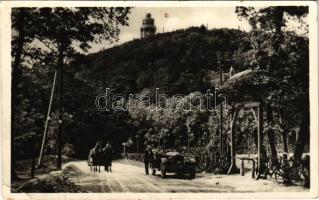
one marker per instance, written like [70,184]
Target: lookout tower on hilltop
[148,28]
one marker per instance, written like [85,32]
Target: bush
[49,183]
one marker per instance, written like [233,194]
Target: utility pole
[47,120]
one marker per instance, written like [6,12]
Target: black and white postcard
[159,99]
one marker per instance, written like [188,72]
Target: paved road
[130,178]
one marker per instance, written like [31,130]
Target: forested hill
[180,62]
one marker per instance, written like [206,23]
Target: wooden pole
[233,168]
[253,169]
[47,120]
[242,168]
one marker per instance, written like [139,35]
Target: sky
[178,18]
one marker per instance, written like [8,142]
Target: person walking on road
[148,159]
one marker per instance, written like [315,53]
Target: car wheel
[163,170]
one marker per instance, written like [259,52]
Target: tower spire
[148,28]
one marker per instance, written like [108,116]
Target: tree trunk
[302,138]
[284,135]
[279,13]
[284,140]
[271,137]
[32,171]
[16,77]
[60,70]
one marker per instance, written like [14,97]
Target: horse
[95,157]
[107,157]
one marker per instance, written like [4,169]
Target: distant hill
[177,62]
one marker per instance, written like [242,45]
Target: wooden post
[253,169]
[233,168]
[242,168]
[260,137]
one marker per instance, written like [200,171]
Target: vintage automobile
[171,161]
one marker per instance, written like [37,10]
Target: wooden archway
[259,118]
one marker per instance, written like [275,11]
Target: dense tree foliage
[179,62]
[282,56]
